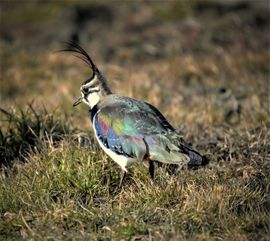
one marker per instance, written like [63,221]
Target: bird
[130,130]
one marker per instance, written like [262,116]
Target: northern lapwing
[130,130]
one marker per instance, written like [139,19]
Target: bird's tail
[196,159]
[172,149]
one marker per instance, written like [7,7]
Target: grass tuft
[28,130]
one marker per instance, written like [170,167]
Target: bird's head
[93,88]
[91,92]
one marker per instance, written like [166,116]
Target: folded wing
[136,129]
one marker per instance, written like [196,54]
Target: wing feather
[123,124]
[137,129]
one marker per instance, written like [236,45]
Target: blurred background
[201,62]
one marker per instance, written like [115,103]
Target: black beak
[78,101]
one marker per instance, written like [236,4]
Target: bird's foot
[123,174]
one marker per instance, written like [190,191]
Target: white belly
[121,160]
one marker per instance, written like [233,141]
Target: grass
[208,78]
[27,131]
[71,192]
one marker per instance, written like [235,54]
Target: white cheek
[93,99]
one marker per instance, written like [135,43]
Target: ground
[204,64]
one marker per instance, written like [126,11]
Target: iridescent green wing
[123,123]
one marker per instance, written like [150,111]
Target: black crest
[80,53]
[84,56]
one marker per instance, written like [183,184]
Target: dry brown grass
[208,74]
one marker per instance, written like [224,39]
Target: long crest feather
[81,54]
[84,56]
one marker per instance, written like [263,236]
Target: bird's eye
[85,90]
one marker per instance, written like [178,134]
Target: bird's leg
[151,169]
[123,174]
